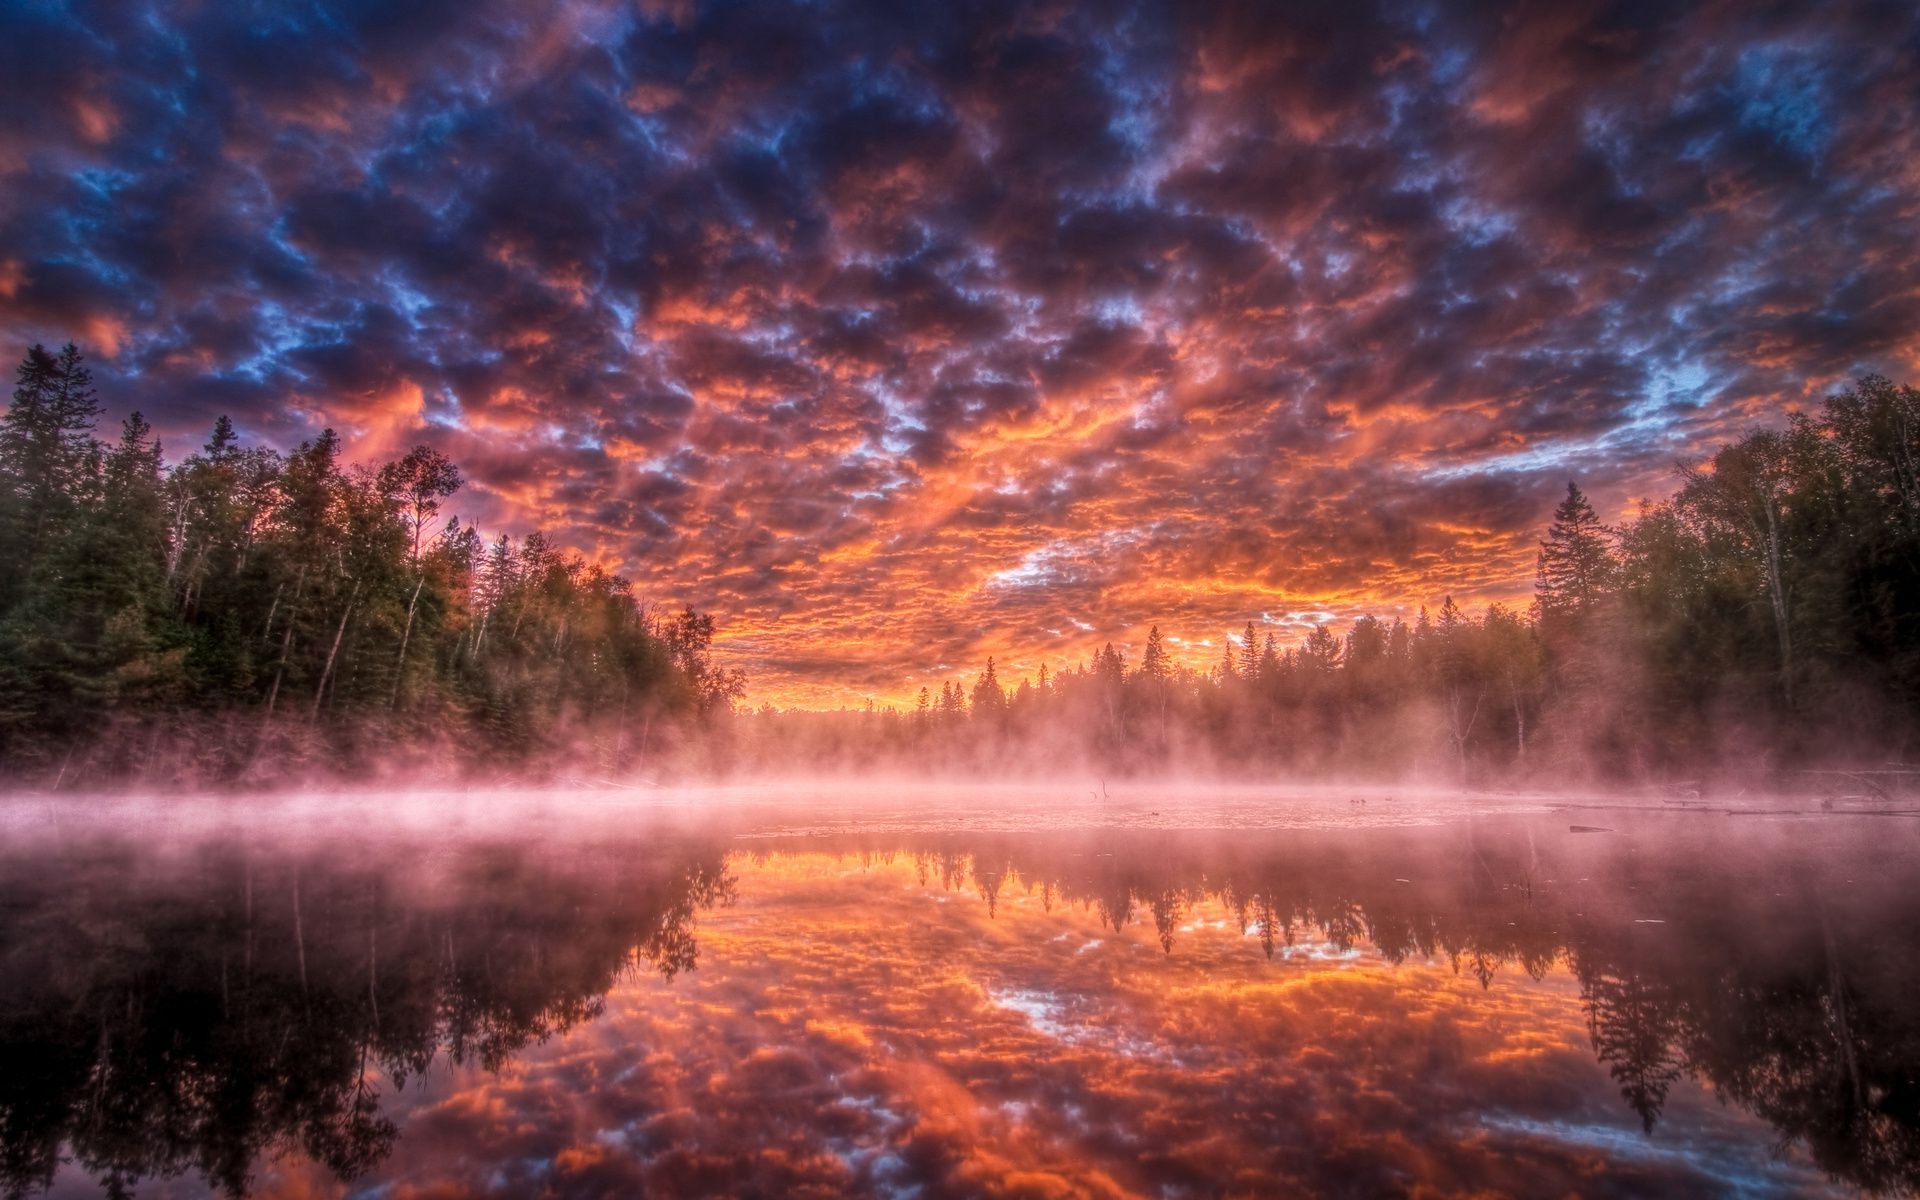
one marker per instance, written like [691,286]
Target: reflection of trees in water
[188,1018]
[1818,1033]
[246,1003]
[1783,983]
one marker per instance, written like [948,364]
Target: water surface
[955,994]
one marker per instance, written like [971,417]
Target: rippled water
[955,993]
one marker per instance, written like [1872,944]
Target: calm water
[957,995]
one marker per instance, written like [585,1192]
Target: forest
[1763,619]
[250,616]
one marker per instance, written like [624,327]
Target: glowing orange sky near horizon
[900,339]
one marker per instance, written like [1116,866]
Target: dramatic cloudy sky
[903,337]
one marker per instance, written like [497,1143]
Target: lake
[954,992]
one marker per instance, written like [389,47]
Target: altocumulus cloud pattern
[969,329]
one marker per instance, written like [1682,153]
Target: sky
[900,336]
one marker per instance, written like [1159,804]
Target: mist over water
[962,990]
[959,600]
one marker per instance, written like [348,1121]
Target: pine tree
[1576,564]
[1461,687]
[1320,653]
[84,636]
[133,512]
[1155,664]
[989,699]
[1366,642]
[1270,659]
[224,442]
[417,484]
[47,455]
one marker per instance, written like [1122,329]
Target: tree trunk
[480,633]
[326,672]
[400,667]
[1837,994]
[373,969]
[286,642]
[299,937]
[1519,721]
[177,544]
[273,610]
[1460,730]
[1777,596]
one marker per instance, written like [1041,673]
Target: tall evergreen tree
[1576,565]
[47,457]
[1155,665]
[989,698]
[1320,653]
[1270,659]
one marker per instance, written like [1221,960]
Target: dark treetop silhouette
[250,614]
[1767,616]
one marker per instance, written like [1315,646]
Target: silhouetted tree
[989,700]
[1576,566]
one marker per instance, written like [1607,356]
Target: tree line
[249,615]
[1763,618]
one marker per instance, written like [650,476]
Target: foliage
[248,615]
[1766,617]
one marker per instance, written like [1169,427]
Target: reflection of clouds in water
[1043,1012]
[1056,1017]
[1314,951]
[841,1035]
[1161,1016]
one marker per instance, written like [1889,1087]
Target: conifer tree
[989,699]
[1320,653]
[47,455]
[1270,659]
[1155,665]
[1576,566]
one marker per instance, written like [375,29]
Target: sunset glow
[899,340]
